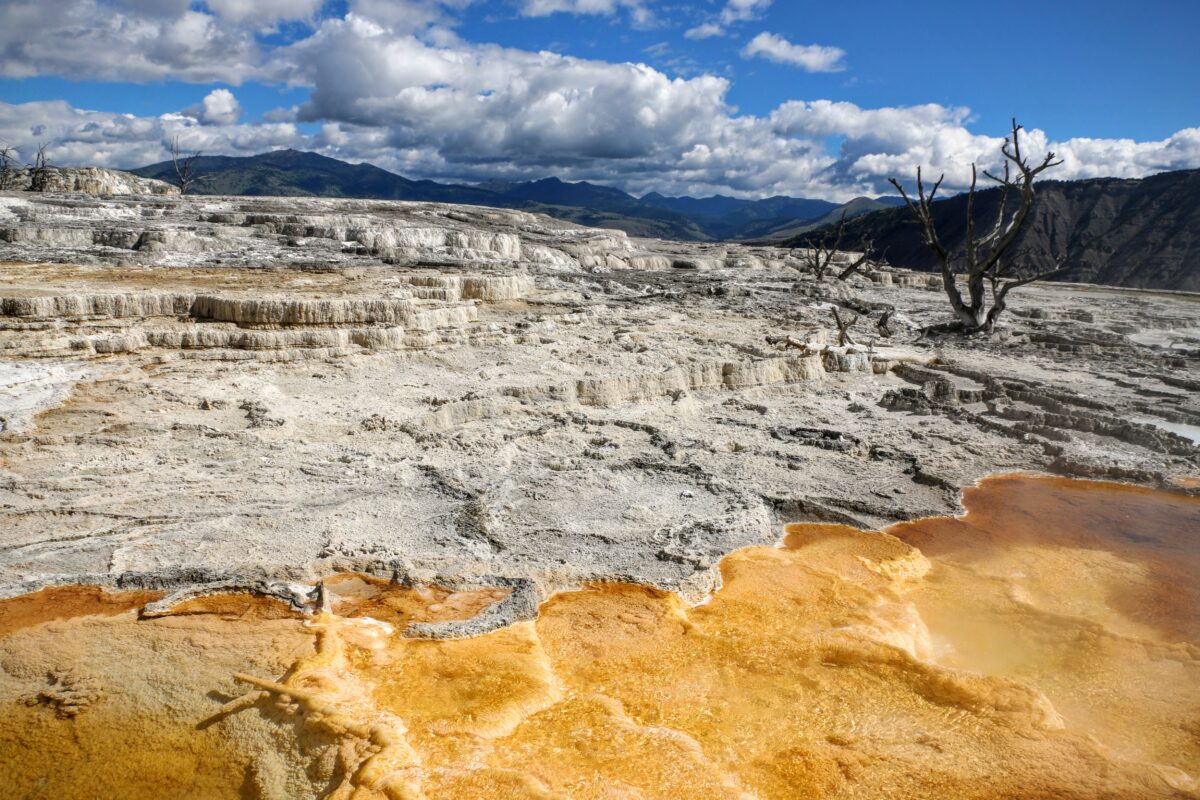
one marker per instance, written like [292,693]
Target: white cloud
[77,136]
[705,31]
[735,11]
[409,16]
[122,40]
[219,107]
[264,12]
[809,57]
[1126,158]
[492,104]
[742,10]
[638,10]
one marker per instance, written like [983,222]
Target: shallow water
[1043,645]
[1180,428]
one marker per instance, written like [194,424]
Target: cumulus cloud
[490,104]
[809,57]
[219,107]
[77,136]
[122,40]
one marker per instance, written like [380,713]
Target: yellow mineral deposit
[1044,645]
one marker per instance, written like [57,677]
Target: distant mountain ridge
[298,173]
[1139,233]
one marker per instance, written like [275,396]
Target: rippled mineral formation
[1043,645]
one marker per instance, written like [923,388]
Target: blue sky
[748,97]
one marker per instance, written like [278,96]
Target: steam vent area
[314,498]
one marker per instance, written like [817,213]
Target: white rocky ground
[202,391]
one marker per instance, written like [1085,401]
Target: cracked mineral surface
[237,397]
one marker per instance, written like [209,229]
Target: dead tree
[984,257]
[843,326]
[8,157]
[185,166]
[819,258]
[39,170]
[884,325]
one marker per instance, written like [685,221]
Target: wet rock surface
[215,392]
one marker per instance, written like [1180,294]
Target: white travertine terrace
[220,391]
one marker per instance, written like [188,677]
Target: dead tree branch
[985,256]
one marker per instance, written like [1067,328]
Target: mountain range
[297,173]
[1140,233]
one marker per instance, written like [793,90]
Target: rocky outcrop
[85,180]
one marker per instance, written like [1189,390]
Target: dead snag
[884,325]
[8,157]
[844,337]
[819,257]
[985,257]
[39,170]
[185,166]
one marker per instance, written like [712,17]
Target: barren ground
[202,393]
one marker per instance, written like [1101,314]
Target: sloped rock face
[199,391]
[85,180]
